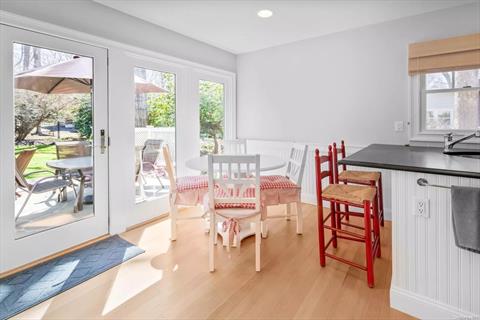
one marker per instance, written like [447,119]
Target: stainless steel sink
[473,156]
[466,153]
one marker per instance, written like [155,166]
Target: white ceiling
[234,25]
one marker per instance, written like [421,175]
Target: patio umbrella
[73,76]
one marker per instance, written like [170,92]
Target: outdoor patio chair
[151,157]
[47,184]
[73,149]
[22,161]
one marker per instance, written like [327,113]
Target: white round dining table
[267,163]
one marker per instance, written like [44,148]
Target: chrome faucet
[449,142]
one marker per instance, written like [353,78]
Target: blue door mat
[28,288]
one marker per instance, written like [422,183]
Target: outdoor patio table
[267,163]
[74,164]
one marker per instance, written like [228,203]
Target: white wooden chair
[236,146]
[234,196]
[184,191]
[286,189]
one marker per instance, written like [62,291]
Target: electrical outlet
[421,208]
[399,126]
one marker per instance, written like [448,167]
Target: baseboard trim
[53,256]
[309,198]
[424,307]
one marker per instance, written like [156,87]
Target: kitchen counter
[414,159]
[431,277]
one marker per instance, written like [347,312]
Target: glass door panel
[212,116]
[54,168]
[155,106]
[53,133]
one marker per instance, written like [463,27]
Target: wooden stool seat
[349,193]
[362,177]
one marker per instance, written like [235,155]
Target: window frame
[418,111]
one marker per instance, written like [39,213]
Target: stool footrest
[351,238]
[353,234]
[352,225]
[353,264]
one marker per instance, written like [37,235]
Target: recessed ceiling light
[265,13]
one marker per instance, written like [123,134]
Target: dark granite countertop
[416,159]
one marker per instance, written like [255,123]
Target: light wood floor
[171,280]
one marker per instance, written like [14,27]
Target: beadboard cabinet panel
[427,265]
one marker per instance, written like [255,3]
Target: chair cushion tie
[231,225]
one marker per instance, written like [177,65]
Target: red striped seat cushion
[189,183]
[276,182]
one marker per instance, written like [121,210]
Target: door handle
[103,145]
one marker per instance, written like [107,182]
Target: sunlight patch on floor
[123,289]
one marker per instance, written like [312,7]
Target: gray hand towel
[466,217]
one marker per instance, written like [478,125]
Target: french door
[155,127]
[53,145]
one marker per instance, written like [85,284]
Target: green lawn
[39,160]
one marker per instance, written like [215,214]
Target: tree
[161,107]
[32,109]
[211,112]
[83,118]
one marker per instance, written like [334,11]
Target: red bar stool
[364,197]
[368,178]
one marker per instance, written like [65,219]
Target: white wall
[96,19]
[350,85]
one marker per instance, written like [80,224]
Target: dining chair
[235,146]
[184,191]
[287,189]
[234,197]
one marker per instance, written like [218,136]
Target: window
[450,101]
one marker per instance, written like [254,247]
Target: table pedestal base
[247,229]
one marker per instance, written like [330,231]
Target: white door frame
[17,252]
